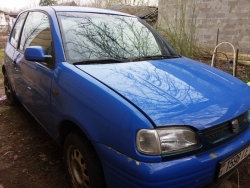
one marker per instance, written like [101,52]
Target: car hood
[176,91]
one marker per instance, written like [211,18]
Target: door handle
[14,62]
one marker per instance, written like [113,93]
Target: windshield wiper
[99,61]
[113,60]
[154,57]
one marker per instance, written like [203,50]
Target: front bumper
[192,171]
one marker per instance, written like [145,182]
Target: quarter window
[17,30]
[36,32]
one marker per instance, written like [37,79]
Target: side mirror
[36,53]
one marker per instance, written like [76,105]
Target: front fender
[103,115]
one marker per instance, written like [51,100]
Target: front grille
[217,131]
[224,130]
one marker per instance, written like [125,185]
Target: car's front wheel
[10,94]
[82,163]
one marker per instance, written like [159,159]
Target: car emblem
[235,126]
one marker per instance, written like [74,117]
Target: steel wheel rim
[78,168]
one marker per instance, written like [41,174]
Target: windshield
[90,36]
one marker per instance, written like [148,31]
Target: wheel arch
[84,147]
[3,69]
[66,127]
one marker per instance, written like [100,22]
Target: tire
[10,94]
[82,163]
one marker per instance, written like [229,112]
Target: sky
[22,4]
[17,4]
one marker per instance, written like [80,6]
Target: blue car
[128,110]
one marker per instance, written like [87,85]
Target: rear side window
[36,32]
[17,30]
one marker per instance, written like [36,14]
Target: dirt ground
[243,71]
[30,158]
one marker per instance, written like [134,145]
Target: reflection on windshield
[88,36]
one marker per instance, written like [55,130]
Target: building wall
[2,18]
[232,17]
[3,23]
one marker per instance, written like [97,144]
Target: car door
[11,48]
[33,84]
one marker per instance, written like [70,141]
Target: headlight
[166,140]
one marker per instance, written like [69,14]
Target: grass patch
[1,52]
[247,77]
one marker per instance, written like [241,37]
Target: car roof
[80,9]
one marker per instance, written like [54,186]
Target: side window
[36,32]
[17,30]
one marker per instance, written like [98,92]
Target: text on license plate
[232,162]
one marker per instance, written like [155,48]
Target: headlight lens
[166,140]
[147,142]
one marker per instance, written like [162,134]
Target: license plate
[233,161]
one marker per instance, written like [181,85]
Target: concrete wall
[232,17]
